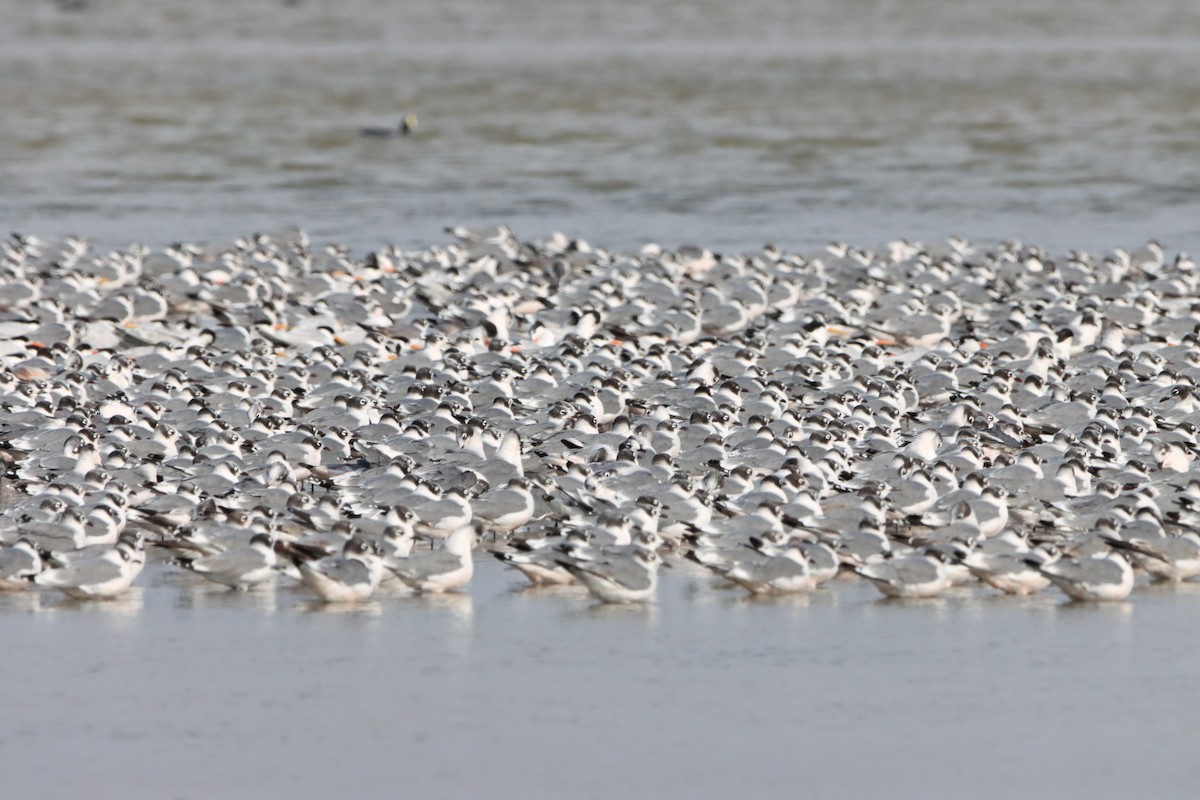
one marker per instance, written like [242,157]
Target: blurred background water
[1068,124]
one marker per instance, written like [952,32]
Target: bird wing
[427,565]
[624,572]
[1086,570]
[83,573]
[231,562]
[916,570]
[346,571]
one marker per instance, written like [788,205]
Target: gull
[202,539]
[863,545]
[104,575]
[914,496]
[720,559]
[1169,558]
[611,528]
[447,512]
[784,573]
[991,510]
[67,532]
[1102,576]
[539,565]
[915,329]
[1011,572]
[239,568]
[963,526]
[170,510]
[741,526]
[1053,418]
[589,550]
[631,578]
[348,578]
[397,541]
[444,570]
[19,562]
[823,561]
[505,509]
[909,576]
[537,558]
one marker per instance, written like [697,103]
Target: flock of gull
[995,418]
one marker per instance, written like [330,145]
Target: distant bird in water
[406,126]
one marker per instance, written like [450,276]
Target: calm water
[1070,124]
[182,689]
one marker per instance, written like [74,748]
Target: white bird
[823,561]
[1170,558]
[1102,576]
[506,508]
[444,570]
[397,542]
[909,576]
[19,562]
[239,567]
[349,578]
[540,563]
[1010,572]
[448,512]
[104,575]
[784,573]
[631,578]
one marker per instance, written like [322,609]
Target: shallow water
[183,689]
[728,124]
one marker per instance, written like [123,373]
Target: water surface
[183,689]
[1070,124]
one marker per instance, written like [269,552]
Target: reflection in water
[445,623]
[1121,611]
[261,598]
[792,600]
[22,600]
[455,607]
[453,614]
[824,596]
[1169,587]
[366,609]
[990,597]
[938,605]
[537,593]
[633,612]
[124,608]
[456,613]
[159,574]
[703,589]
